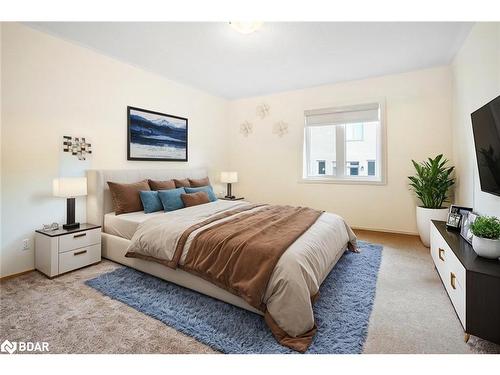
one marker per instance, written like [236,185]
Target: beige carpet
[412,313]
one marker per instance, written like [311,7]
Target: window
[344,144]
[321,167]
[371,167]
[353,168]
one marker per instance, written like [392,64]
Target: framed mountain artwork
[156,136]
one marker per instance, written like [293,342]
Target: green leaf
[486,227]
[432,181]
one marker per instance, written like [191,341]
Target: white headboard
[99,200]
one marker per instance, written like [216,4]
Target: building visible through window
[354,132]
[353,168]
[321,167]
[334,168]
[371,167]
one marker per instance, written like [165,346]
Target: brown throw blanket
[240,255]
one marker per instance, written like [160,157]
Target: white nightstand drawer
[79,239]
[71,260]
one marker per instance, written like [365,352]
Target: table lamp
[69,188]
[229,178]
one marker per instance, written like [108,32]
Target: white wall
[418,111]
[53,88]
[476,81]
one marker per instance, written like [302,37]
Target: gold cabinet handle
[441,253]
[80,235]
[453,278]
[80,252]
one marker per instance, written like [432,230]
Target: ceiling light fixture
[246,27]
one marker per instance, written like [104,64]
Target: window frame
[381,179]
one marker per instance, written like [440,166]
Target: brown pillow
[182,183]
[199,182]
[195,199]
[161,185]
[126,197]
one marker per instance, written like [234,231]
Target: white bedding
[125,225]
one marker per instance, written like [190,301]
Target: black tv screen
[486,128]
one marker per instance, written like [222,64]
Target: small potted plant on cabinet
[431,184]
[486,236]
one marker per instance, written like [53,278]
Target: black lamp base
[229,194]
[71,226]
[70,215]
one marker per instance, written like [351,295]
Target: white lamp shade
[69,187]
[228,177]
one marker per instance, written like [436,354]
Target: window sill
[343,181]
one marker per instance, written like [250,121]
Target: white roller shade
[343,115]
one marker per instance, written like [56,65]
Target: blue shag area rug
[342,310]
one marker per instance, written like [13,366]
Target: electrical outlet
[26,244]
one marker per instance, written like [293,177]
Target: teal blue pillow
[171,199]
[206,189]
[151,201]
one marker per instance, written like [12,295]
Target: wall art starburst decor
[77,146]
[280,128]
[246,128]
[263,111]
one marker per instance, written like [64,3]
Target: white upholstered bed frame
[99,203]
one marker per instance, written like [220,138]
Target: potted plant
[486,237]
[431,184]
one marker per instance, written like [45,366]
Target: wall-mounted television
[486,128]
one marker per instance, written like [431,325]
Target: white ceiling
[280,56]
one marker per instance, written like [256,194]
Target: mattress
[125,225]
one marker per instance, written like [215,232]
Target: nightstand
[232,199]
[60,251]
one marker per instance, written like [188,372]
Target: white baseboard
[384,230]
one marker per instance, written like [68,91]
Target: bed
[308,259]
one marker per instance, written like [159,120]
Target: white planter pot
[486,248]
[424,217]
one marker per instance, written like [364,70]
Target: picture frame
[456,216]
[465,232]
[156,136]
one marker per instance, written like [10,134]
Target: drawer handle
[79,235]
[441,252]
[80,252]
[453,278]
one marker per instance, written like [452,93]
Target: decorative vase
[486,248]
[424,217]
